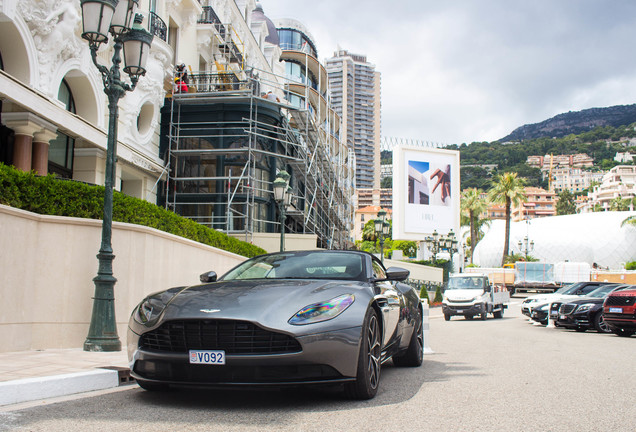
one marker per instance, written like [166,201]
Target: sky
[459,71]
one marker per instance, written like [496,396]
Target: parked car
[619,311]
[587,312]
[576,289]
[282,319]
[539,310]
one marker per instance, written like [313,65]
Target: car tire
[483,316]
[368,372]
[414,354]
[600,325]
[152,386]
[623,332]
[447,317]
[498,314]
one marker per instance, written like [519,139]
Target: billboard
[426,193]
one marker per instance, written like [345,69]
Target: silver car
[282,319]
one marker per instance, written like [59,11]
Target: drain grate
[123,374]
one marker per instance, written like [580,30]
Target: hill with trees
[575,122]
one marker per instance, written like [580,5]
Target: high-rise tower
[355,95]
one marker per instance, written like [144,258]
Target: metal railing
[157,27]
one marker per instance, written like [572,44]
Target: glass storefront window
[62,147]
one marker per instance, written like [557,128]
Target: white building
[209,153]
[619,182]
[574,179]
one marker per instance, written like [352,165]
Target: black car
[587,313]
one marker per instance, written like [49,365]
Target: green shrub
[424,293]
[438,296]
[630,265]
[51,196]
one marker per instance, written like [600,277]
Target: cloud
[466,71]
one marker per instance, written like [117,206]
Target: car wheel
[368,374]
[499,313]
[623,332]
[447,317]
[483,316]
[414,353]
[600,324]
[151,386]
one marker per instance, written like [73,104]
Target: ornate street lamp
[525,247]
[432,244]
[381,228]
[282,196]
[99,18]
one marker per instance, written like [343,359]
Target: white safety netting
[587,237]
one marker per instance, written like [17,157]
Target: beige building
[355,95]
[374,197]
[538,203]
[364,215]
[574,179]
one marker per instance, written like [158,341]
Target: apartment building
[208,150]
[538,203]
[574,179]
[619,182]
[355,90]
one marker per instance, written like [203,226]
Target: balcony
[157,27]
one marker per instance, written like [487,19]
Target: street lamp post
[381,228]
[450,244]
[99,18]
[525,247]
[282,196]
[432,244]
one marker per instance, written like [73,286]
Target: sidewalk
[33,375]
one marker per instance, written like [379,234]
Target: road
[503,375]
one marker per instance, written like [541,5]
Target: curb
[31,389]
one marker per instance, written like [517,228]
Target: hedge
[51,196]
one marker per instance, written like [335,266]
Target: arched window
[61,148]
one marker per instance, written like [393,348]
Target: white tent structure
[587,237]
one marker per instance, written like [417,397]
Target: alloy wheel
[373,341]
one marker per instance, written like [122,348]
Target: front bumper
[329,357]
[575,320]
[462,309]
[620,321]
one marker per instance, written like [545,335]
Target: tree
[473,205]
[566,205]
[386,183]
[368,232]
[507,189]
[619,204]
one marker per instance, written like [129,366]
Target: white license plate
[562,317]
[460,311]
[207,357]
[616,310]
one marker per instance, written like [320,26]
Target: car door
[388,297]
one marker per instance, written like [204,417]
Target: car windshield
[568,288]
[601,291]
[476,282]
[309,265]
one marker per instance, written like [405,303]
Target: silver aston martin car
[289,318]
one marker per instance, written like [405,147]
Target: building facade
[355,90]
[574,179]
[538,203]
[619,182]
[208,148]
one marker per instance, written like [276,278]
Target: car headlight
[585,307]
[322,311]
[148,310]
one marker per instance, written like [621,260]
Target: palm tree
[507,189]
[473,205]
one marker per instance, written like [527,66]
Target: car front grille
[567,309]
[234,337]
[620,301]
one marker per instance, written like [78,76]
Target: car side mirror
[488,288]
[397,273]
[208,277]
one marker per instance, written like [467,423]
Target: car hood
[266,301]
[562,298]
[584,300]
[463,294]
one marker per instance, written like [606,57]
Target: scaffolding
[226,142]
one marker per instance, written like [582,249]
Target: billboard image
[425,192]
